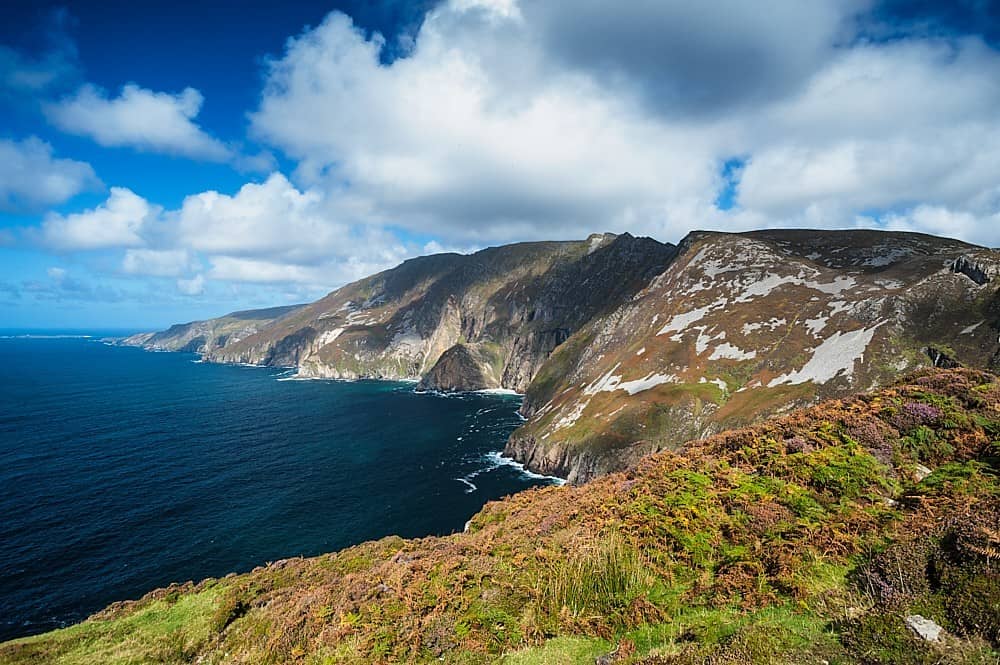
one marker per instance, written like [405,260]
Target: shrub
[798,444]
[923,444]
[871,435]
[915,414]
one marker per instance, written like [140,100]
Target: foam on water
[501,460]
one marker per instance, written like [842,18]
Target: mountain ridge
[623,346]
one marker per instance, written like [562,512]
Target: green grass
[728,634]
[561,651]
[161,632]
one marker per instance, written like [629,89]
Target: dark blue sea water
[122,471]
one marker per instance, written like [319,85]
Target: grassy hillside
[804,539]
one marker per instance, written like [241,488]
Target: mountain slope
[206,336]
[807,538]
[740,326]
[494,315]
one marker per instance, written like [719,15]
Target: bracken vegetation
[807,538]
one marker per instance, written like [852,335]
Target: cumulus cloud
[158,262]
[432,143]
[272,218]
[31,177]
[940,221]
[274,232]
[504,120]
[118,222]
[882,124]
[512,120]
[265,233]
[237,269]
[139,118]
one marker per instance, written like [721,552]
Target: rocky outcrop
[575,465]
[925,629]
[463,367]
[978,273]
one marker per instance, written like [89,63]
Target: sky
[164,162]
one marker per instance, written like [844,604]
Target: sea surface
[123,470]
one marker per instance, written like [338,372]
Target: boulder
[925,629]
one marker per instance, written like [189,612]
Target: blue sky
[162,162]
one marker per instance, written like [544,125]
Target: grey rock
[925,629]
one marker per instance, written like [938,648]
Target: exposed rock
[971,269]
[923,628]
[492,317]
[941,359]
[463,367]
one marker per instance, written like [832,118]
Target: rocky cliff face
[742,326]
[207,336]
[459,322]
[625,346]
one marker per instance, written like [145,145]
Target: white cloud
[508,120]
[192,287]
[235,269]
[269,232]
[272,219]
[512,120]
[118,222]
[899,122]
[940,221]
[274,232]
[435,142]
[157,262]
[139,118]
[31,177]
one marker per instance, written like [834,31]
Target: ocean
[123,470]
